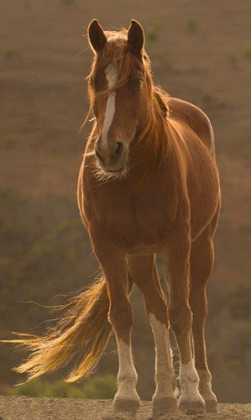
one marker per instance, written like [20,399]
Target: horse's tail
[83,332]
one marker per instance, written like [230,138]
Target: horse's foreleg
[202,258]
[180,315]
[120,316]
[144,273]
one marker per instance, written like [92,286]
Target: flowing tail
[83,332]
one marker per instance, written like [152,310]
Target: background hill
[201,52]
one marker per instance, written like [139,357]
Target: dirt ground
[22,408]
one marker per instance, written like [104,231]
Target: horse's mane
[150,146]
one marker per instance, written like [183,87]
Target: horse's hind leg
[144,273]
[201,263]
[120,315]
[180,314]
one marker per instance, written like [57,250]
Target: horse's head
[119,88]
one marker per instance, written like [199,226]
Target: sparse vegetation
[8,142]
[192,24]
[100,387]
[67,3]
[206,100]
[12,52]
[41,243]
[154,32]
[234,60]
[247,52]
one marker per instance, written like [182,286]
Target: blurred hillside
[201,52]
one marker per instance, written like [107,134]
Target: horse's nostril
[118,149]
[109,155]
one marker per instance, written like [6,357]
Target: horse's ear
[96,36]
[135,37]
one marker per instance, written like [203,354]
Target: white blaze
[111,76]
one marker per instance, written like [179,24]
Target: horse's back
[195,118]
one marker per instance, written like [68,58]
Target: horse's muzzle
[112,156]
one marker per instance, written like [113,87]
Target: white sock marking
[127,375]
[189,381]
[111,76]
[164,374]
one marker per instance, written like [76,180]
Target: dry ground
[22,408]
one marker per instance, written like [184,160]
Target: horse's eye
[135,82]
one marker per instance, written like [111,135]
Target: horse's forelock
[116,51]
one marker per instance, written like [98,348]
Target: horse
[148,184]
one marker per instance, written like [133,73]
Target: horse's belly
[146,234]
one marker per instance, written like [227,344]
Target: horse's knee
[180,317]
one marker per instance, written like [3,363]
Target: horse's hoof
[124,405]
[163,407]
[192,407]
[211,406]
[119,416]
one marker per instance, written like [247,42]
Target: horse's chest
[133,222]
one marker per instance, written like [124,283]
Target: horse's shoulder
[194,117]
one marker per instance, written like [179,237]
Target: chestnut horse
[148,184]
